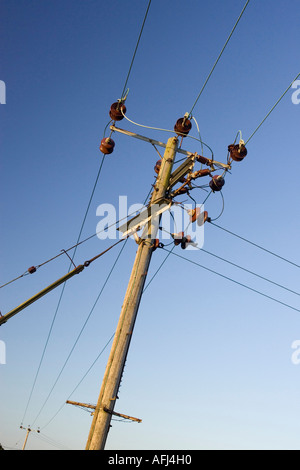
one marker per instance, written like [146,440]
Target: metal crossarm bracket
[122,416]
[147,139]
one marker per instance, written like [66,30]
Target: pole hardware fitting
[216,183]
[203,160]
[121,415]
[197,215]
[157,244]
[31,270]
[237,152]
[137,238]
[180,238]
[183,126]
[117,110]
[157,166]
[64,251]
[200,173]
[107,146]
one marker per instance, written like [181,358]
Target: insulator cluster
[116,113]
[197,216]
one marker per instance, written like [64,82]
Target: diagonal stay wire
[63,289]
[257,246]
[236,282]
[221,53]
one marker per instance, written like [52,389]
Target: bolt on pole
[119,350]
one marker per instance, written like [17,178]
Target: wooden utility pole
[25,442]
[117,358]
[28,430]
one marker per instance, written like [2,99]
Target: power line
[236,282]
[226,261]
[64,285]
[88,207]
[248,271]
[48,440]
[86,264]
[136,48]
[81,380]
[80,333]
[254,244]
[159,268]
[272,109]
[76,245]
[86,321]
[169,130]
[221,53]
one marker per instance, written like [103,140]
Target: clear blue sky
[209,365]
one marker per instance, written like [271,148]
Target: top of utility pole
[147,242]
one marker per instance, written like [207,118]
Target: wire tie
[64,251]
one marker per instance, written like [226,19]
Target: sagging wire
[223,207]
[167,130]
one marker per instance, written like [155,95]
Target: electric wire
[159,268]
[248,271]
[79,334]
[255,244]
[87,319]
[26,273]
[77,244]
[114,346]
[221,53]
[87,263]
[64,285]
[136,48]
[48,440]
[272,109]
[200,141]
[234,281]
[81,380]
[223,207]
[168,130]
